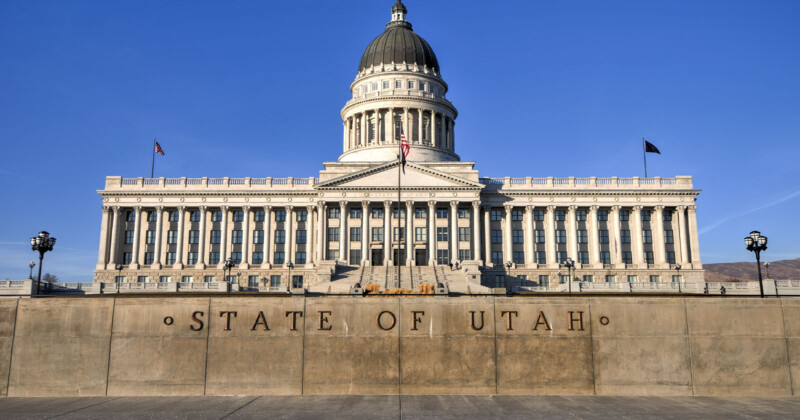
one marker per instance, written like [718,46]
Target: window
[647,236]
[561,256]
[626,257]
[213,258]
[216,216]
[670,257]
[128,236]
[648,257]
[300,236]
[633,279]
[422,86]
[402,213]
[420,234]
[172,237]
[170,258]
[150,237]
[538,236]
[386,84]
[377,213]
[258,258]
[355,234]
[258,216]
[611,278]
[208,279]
[516,215]
[499,280]
[625,236]
[654,279]
[126,258]
[411,84]
[441,213]
[398,84]
[142,279]
[333,234]
[174,216]
[544,280]
[605,257]
[238,216]
[463,213]
[564,278]
[497,236]
[624,215]
[583,257]
[377,234]
[441,234]
[374,86]
[148,257]
[398,234]
[668,237]
[191,258]
[463,234]
[561,236]
[541,257]
[194,236]
[252,281]
[302,215]
[186,279]
[275,281]
[130,216]
[442,256]
[280,215]
[538,215]
[215,236]
[497,258]
[603,236]
[420,213]
[580,215]
[667,215]
[236,237]
[602,215]
[519,257]
[280,257]
[676,278]
[583,237]
[588,278]
[560,215]
[355,213]
[496,215]
[517,237]
[236,257]
[258,236]
[333,254]
[300,257]
[464,254]
[355,256]
[645,215]
[151,216]
[280,236]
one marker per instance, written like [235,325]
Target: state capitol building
[452,226]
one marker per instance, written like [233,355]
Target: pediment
[385,176]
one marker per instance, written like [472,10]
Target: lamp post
[119,273]
[755,243]
[291,266]
[570,264]
[42,243]
[508,267]
[227,266]
[678,269]
[30,273]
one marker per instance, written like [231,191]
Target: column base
[134,266]
[200,265]
[156,266]
[266,266]
[100,266]
[177,266]
[244,266]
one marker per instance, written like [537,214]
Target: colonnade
[377,126]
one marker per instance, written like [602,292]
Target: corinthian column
[431,233]
[508,247]
[487,236]
[112,255]
[246,240]
[201,245]
[311,238]
[101,258]
[137,225]
[658,238]
[343,231]
[289,235]
[409,232]
[636,236]
[693,243]
[572,233]
[528,236]
[551,236]
[365,232]
[157,253]
[616,242]
[454,231]
[434,137]
[181,247]
[387,232]
[223,240]
[269,255]
[476,232]
[594,239]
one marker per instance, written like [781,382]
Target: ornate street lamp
[570,264]
[755,243]
[678,269]
[33,264]
[227,266]
[291,266]
[119,268]
[42,243]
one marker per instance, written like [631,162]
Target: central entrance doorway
[399,256]
[377,257]
[421,256]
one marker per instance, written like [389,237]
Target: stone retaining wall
[232,345]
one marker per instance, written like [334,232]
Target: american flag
[404,148]
[159,150]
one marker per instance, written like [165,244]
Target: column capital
[246,208]
[681,208]
[310,208]
[409,204]
[365,204]
[320,204]
[454,204]
[387,204]
[692,209]
[476,204]
[637,209]
[343,204]
[594,208]
[658,208]
[551,208]
[572,208]
[224,208]
[137,209]
[116,209]
[106,208]
[289,209]
[203,208]
[529,209]
[615,209]
[268,208]
[432,204]
[508,207]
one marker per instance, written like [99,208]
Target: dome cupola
[399,44]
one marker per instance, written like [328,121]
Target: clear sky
[254,88]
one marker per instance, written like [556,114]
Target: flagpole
[153,165]
[399,232]
[644,155]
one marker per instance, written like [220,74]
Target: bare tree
[49,278]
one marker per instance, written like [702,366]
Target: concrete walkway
[459,407]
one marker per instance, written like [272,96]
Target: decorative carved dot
[573,198]
[594,199]
[160,199]
[182,199]
[269,199]
[138,199]
[225,199]
[552,199]
[117,199]
[638,198]
[616,198]
[106,199]
[168,320]
[344,194]
[604,320]
[290,198]
[203,199]
[247,199]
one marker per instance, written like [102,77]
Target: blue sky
[254,88]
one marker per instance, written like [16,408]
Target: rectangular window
[194,236]
[258,236]
[151,216]
[610,278]
[463,213]
[258,216]
[333,254]
[126,258]
[670,257]
[150,237]
[647,236]
[605,257]
[541,257]
[275,281]
[148,257]
[236,237]
[497,258]
[280,215]
[519,257]
[580,215]
[355,234]
[499,280]
[464,254]
[128,236]
[402,213]
[633,279]
[583,257]
[497,236]
[238,216]
[544,280]
[399,234]
[603,236]
[560,215]
[517,236]
[398,84]
[355,213]
[667,215]
[236,257]
[170,258]
[463,234]
[280,236]
[516,215]
[252,281]
[538,236]
[583,236]
[624,215]
[561,236]
[441,234]
[301,215]
[648,257]
[625,236]
[668,237]
[377,213]
[213,258]
[300,236]
[626,257]
[676,278]
[333,234]
[191,258]
[496,215]
[420,213]
[186,279]
[208,279]
[130,216]
[355,257]
[654,279]
[216,216]
[602,215]
[588,278]
[422,86]
[411,84]
[377,234]
[172,237]
[442,256]
[420,234]
[374,86]
[300,257]
[561,256]
[538,215]
[645,215]
[258,258]
[280,257]
[174,216]
[441,213]
[142,279]
[194,216]
[564,278]
[386,84]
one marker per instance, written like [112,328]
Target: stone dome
[399,44]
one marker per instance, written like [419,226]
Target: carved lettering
[507,314]
[393,318]
[294,315]
[228,314]
[542,320]
[475,327]
[261,319]
[323,319]
[573,319]
[199,321]
[416,318]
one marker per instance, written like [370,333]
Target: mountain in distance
[747,271]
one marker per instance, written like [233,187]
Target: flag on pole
[159,150]
[650,148]
[404,149]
